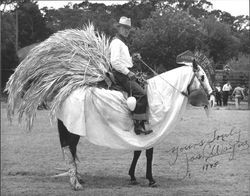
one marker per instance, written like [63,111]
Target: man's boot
[70,161]
[140,128]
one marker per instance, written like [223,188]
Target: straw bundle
[52,70]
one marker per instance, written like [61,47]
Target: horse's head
[199,89]
[199,80]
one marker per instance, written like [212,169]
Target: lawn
[202,156]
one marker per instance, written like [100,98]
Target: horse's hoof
[152,184]
[73,180]
[133,182]
[81,181]
[79,178]
[78,187]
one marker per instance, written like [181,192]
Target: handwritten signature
[210,149]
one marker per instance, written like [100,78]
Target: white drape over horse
[103,117]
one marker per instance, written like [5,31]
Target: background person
[239,95]
[218,95]
[226,91]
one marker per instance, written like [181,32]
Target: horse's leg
[132,167]
[69,142]
[149,176]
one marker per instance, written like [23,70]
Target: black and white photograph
[125,97]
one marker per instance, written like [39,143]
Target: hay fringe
[67,60]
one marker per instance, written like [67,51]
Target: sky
[234,7]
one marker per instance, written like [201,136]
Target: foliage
[8,52]
[244,37]
[7,29]
[7,3]
[163,28]
[32,27]
[165,35]
[236,23]
[241,63]
[81,14]
[136,11]
[222,45]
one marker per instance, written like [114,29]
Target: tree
[81,14]
[245,41]
[9,58]
[165,35]
[32,26]
[5,3]
[134,10]
[241,63]
[220,42]
[64,18]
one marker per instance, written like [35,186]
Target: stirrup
[143,131]
[140,128]
[146,132]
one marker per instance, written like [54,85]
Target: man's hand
[136,56]
[131,75]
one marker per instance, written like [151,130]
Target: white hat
[124,21]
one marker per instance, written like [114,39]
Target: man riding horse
[121,62]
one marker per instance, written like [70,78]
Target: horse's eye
[202,78]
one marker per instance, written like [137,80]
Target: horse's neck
[164,95]
[176,79]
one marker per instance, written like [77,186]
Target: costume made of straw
[121,63]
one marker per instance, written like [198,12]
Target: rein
[182,92]
[156,74]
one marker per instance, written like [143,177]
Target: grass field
[200,157]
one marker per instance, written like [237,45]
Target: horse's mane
[65,61]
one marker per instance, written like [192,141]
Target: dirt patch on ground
[201,157]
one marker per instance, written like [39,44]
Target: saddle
[110,83]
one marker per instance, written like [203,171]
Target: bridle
[191,82]
[195,69]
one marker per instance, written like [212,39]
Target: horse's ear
[195,66]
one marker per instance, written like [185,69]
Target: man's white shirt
[227,87]
[218,88]
[120,57]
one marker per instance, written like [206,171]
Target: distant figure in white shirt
[121,63]
[226,90]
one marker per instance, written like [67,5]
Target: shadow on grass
[106,181]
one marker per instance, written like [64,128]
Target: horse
[168,95]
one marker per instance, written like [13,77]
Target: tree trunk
[248,100]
